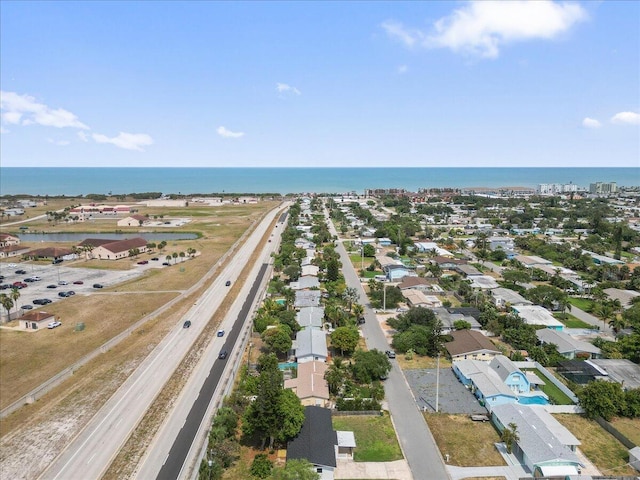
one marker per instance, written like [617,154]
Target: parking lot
[60,278]
[453,396]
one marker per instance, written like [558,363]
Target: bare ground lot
[36,433]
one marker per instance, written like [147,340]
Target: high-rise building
[603,188]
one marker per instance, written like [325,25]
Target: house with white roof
[424,247]
[537,315]
[307,298]
[305,283]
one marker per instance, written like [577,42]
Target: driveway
[453,396]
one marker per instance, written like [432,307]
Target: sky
[320,84]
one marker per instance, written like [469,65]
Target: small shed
[36,320]
[346,444]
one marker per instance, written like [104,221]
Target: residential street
[418,445]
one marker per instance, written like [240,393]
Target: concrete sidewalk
[348,469]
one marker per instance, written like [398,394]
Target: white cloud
[83,136]
[626,118]
[224,132]
[24,109]
[287,89]
[591,123]
[481,28]
[60,143]
[402,69]
[3,130]
[128,141]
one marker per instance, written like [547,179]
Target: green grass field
[582,303]
[570,321]
[554,393]
[375,437]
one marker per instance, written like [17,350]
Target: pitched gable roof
[317,439]
[125,245]
[469,341]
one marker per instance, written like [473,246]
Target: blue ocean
[83,181]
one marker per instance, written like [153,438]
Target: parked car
[63,294]
[36,278]
[4,286]
[56,261]
[19,285]
[97,285]
[390,354]
[71,293]
[54,324]
[26,307]
[143,262]
[155,259]
[222,355]
[21,272]
[52,286]
[78,282]
[221,333]
[62,282]
[42,301]
[186,324]
[29,280]
[166,264]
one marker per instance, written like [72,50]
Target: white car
[12,265]
[62,282]
[54,324]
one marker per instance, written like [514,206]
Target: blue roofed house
[498,382]
[396,273]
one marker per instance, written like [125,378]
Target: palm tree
[605,312]
[7,303]
[15,295]
[357,310]
[510,436]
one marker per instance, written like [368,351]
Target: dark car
[97,285]
[56,261]
[63,294]
[41,301]
[4,286]
[220,333]
[143,262]
[222,355]
[21,272]
[52,286]
[29,280]
[26,307]
[228,283]
[186,324]
[70,293]
[78,282]
[155,259]
[166,264]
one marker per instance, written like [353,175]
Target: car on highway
[220,333]
[54,324]
[390,354]
[222,355]
[97,285]
[78,282]
[186,324]
[228,284]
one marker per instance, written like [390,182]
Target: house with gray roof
[311,345]
[483,282]
[568,346]
[544,446]
[448,319]
[305,283]
[502,297]
[307,298]
[537,315]
[310,317]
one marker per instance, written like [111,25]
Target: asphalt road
[91,452]
[177,456]
[418,444]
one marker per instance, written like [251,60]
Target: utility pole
[437,382]
[384,297]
